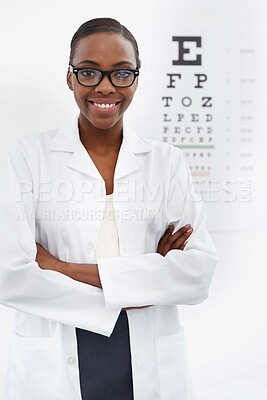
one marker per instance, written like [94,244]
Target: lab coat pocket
[172,367]
[34,370]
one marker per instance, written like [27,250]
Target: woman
[86,257]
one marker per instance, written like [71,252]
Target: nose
[105,86]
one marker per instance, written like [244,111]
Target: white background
[226,335]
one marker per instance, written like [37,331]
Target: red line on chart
[200,173]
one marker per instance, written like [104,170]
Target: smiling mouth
[104,106]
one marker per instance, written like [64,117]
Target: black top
[105,363]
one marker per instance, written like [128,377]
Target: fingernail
[171,226]
[187,226]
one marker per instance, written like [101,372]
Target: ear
[69,80]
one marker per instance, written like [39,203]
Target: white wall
[226,334]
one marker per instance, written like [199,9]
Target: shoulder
[26,149]
[34,139]
[29,144]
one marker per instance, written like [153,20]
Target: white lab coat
[52,193]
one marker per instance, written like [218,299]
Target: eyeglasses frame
[76,70]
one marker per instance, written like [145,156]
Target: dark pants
[105,363]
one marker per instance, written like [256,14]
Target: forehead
[104,49]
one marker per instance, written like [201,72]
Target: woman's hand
[46,260]
[168,242]
[177,240]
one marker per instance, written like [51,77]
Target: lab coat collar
[68,140]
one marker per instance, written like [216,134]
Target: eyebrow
[118,64]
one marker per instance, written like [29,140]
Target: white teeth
[102,105]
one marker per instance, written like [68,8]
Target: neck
[100,140]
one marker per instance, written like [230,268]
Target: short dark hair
[97,25]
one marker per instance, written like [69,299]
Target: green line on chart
[188,146]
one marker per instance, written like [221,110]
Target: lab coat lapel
[82,162]
[68,140]
[128,160]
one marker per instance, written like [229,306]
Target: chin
[102,124]
[105,124]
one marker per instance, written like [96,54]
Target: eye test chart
[204,89]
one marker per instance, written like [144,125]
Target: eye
[123,74]
[88,73]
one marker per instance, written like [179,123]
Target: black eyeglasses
[121,78]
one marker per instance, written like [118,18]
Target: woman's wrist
[86,273]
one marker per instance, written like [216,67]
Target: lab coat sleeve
[181,277]
[23,285]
